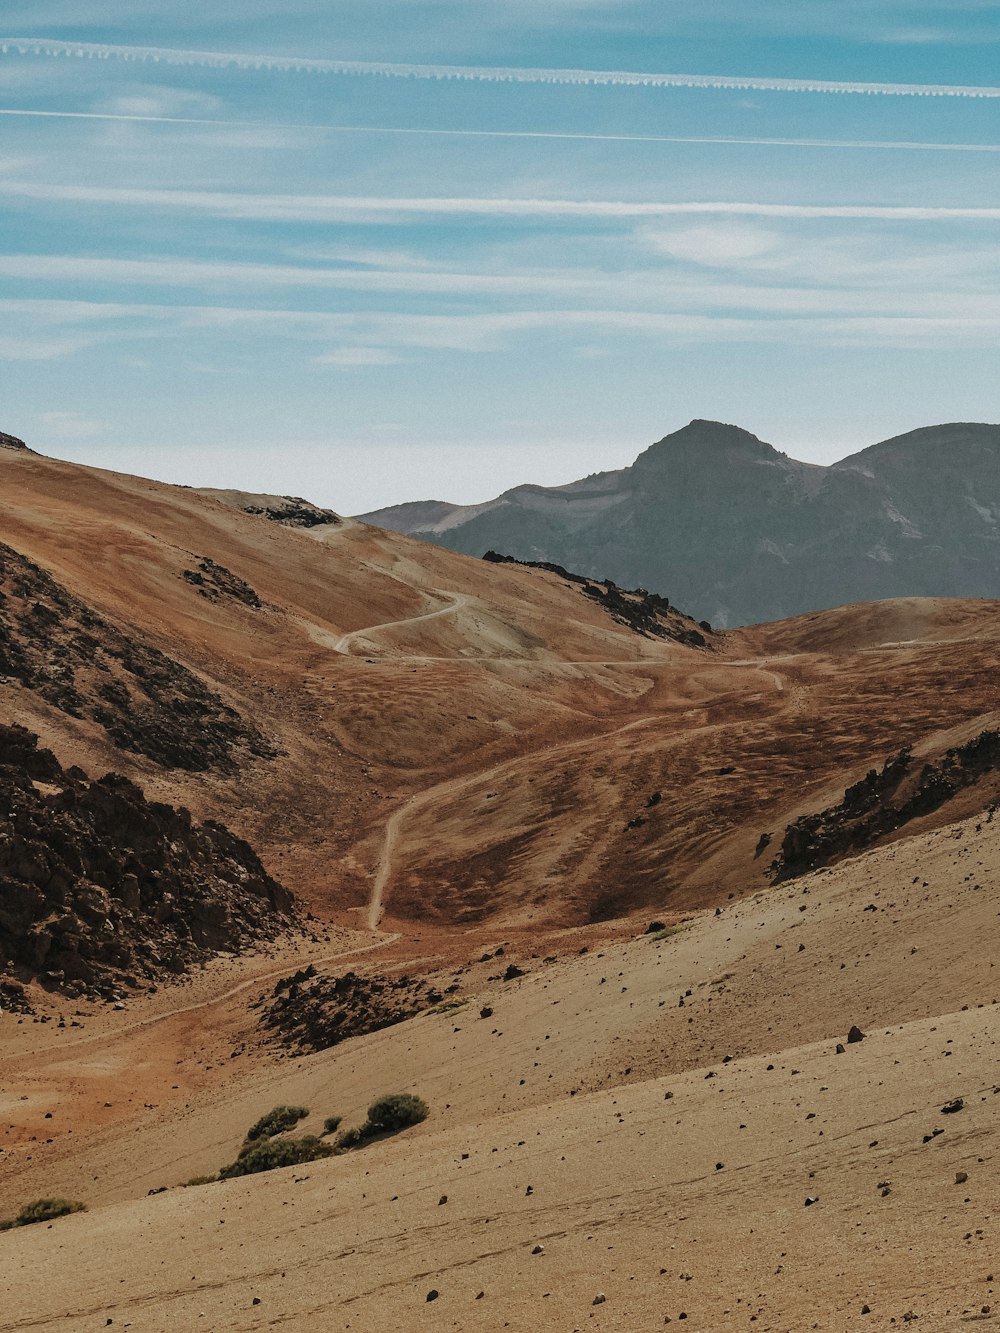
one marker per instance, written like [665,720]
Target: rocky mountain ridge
[101,889]
[741,533]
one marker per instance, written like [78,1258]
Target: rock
[512,971]
[538,1249]
[432,1295]
[443,1199]
[866,1309]
[841,1048]
[810,1200]
[950,1108]
[961,1177]
[653,927]
[104,890]
[486,1011]
[855,1035]
[599,1299]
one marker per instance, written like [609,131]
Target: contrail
[902,144]
[329,208]
[41,46]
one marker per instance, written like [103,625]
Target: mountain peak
[12,442]
[703,436]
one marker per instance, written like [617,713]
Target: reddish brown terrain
[479,782]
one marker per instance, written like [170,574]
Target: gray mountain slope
[736,532]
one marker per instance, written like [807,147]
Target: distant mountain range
[736,532]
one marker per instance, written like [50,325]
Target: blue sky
[373,286]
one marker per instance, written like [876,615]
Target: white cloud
[275,128]
[70,426]
[356,208]
[350,358]
[717,246]
[474,73]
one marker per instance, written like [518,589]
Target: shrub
[43,1210]
[395,1111]
[277,1120]
[273,1153]
[200,1180]
[331,1123]
[352,1138]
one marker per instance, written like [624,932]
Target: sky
[385,251]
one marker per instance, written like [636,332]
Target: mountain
[298,812]
[738,533]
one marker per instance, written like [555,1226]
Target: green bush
[200,1180]
[395,1111]
[43,1210]
[277,1120]
[273,1153]
[331,1123]
[352,1138]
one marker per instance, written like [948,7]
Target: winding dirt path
[458,599]
[384,865]
[212,1001]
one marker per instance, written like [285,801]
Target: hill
[607,887]
[736,532]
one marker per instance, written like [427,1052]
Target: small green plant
[396,1111]
[43,1210]
[352,1138]
[331,1124]
[200,1180]
[270,1154]
[277,1120]
[666,931]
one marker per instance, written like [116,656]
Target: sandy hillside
[481,787]
[662,1155]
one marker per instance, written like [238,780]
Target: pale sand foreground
[624,1182]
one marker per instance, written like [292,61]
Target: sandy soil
[463,747]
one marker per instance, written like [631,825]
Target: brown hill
[496,767]
[395,727]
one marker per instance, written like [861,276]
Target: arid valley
[609,889]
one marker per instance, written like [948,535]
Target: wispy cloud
[415,131]
[354,358]
[476,73]
[393,332]
[332,208]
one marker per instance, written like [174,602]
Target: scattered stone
[950,1108]
[310,1012]
[961,1177]
[538,1249]
[432,1295]
[599,1299]
[855,1035]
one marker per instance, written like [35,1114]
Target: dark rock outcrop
[294,512]
[646,613]
[54,644]
[100,888]
[310,1012]
[215,582]
[12,442]
[882,802]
